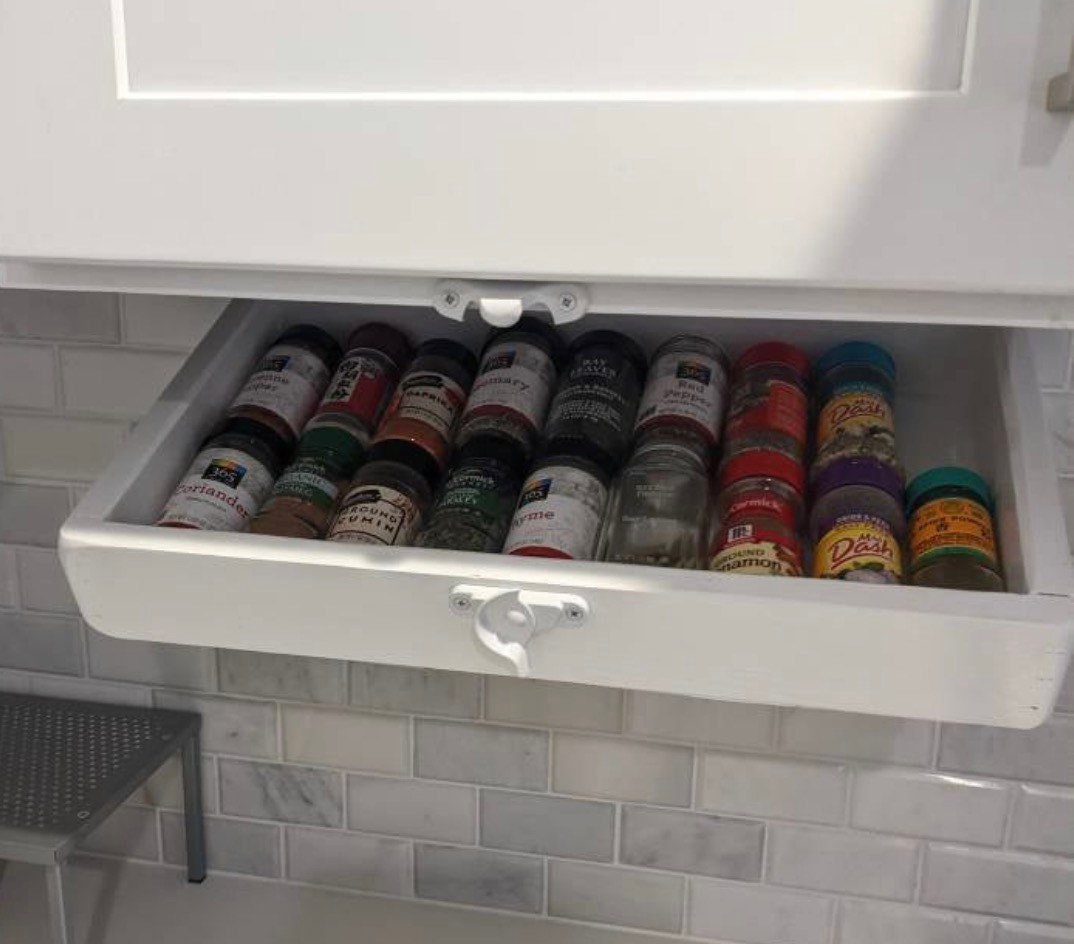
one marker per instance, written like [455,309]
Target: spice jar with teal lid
[952,540]
[855,387]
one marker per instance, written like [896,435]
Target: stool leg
[193,824]
[57,909]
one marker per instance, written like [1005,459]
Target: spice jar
[687,386]
[593,411]
[659,504]
[952,541]
[559,510]
[759,513]
[305,495]
[287,383]
[769,403]
[429,398]
[513,386]
[384,505]
[856,396]
[473,511]
[365,379]
[857,522]
[230,477]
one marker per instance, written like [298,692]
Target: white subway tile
[832,860]
[81,689]
[619,769]
[228,725]
[32,514]
[55,447]
[115,381]
[341,738]
[1065,701]
[178,321]
[344,860]
[939,806]
[83,316]
[291,678]
[437,812]
[281,792]
[152,663]
[608,895]
[131,831]
[479,753]
[854,736]
[1044,820]
[231,845]
[755,914]
[552,704]
[649,714]
[869,922]
[1044,753]
[547,825]
[478,877]
[1059,414]
[42,583]
[1016,885]
[1051,353]
[417,691]
[772,786]
[39,643]
[9,577]
[27,376]
[1022,932]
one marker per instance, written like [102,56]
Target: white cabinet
[857,143]
[967,395]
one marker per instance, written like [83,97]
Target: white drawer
[968,395]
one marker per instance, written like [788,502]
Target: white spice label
[558,515]
[514,378]
[430,398]
[288,381]
[221,491]
[375,514]
[687,387]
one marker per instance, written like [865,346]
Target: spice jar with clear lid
[769,401]
[856,395]
[952,540]
[857,522]
[759,512]
[659,505]
[385,504]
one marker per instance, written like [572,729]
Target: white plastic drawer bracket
[501,303]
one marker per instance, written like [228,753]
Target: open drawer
[968,395]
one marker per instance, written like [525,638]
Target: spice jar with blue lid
[952,539]
[855,387]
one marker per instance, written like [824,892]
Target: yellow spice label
[857,542]
[856,409]
[952,525]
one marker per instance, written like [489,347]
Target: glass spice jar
[759,513]
[385,504]
[227,481]
[426,405]
[856,395]
[659,504]
[304,497]
[687,386]
[593,411]
[857,522]
[287,383]
[769,401]
[952,540]
[514,385]
[474,508]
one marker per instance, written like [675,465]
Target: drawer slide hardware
[501,304]
[506,621]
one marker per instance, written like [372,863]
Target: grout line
[57,383]
[282,843]
[934,746]
[617,833]
[412,754]
[919,872]
[684,915]
[850,785]
[835,914]
[546,868]
[1013,794]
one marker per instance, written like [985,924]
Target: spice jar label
[951,526]
[558,514]
[762,501]
[690,389]
[514,378]
[221,491]
[376,514]
[430,398]
[859,547]
[288,382]
[750,548]
[360,386]
[768,405]
[861,407]
[308,479]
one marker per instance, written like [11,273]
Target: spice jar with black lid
[385,504]
[596,402]
[425,408]
[286,385]
[514,384]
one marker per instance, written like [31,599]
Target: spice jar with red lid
[769,401]
[759,513]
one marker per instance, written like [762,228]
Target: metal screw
[567,301]
[451,299]
[83,814]
[573,613]
[461,602]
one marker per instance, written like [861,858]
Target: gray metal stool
[65,765]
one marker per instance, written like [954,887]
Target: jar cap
[497,447]
[406,453]
[858,470]
[763,463]
[445,347]
[384,338]
[680,438]
[575,461]
[948,476]
[547,336]
[628,346]
[326,345]
[707,346]
[343,439]
[856,352]
[773,352]
[274,449]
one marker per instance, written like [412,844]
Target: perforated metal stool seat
[65,765]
